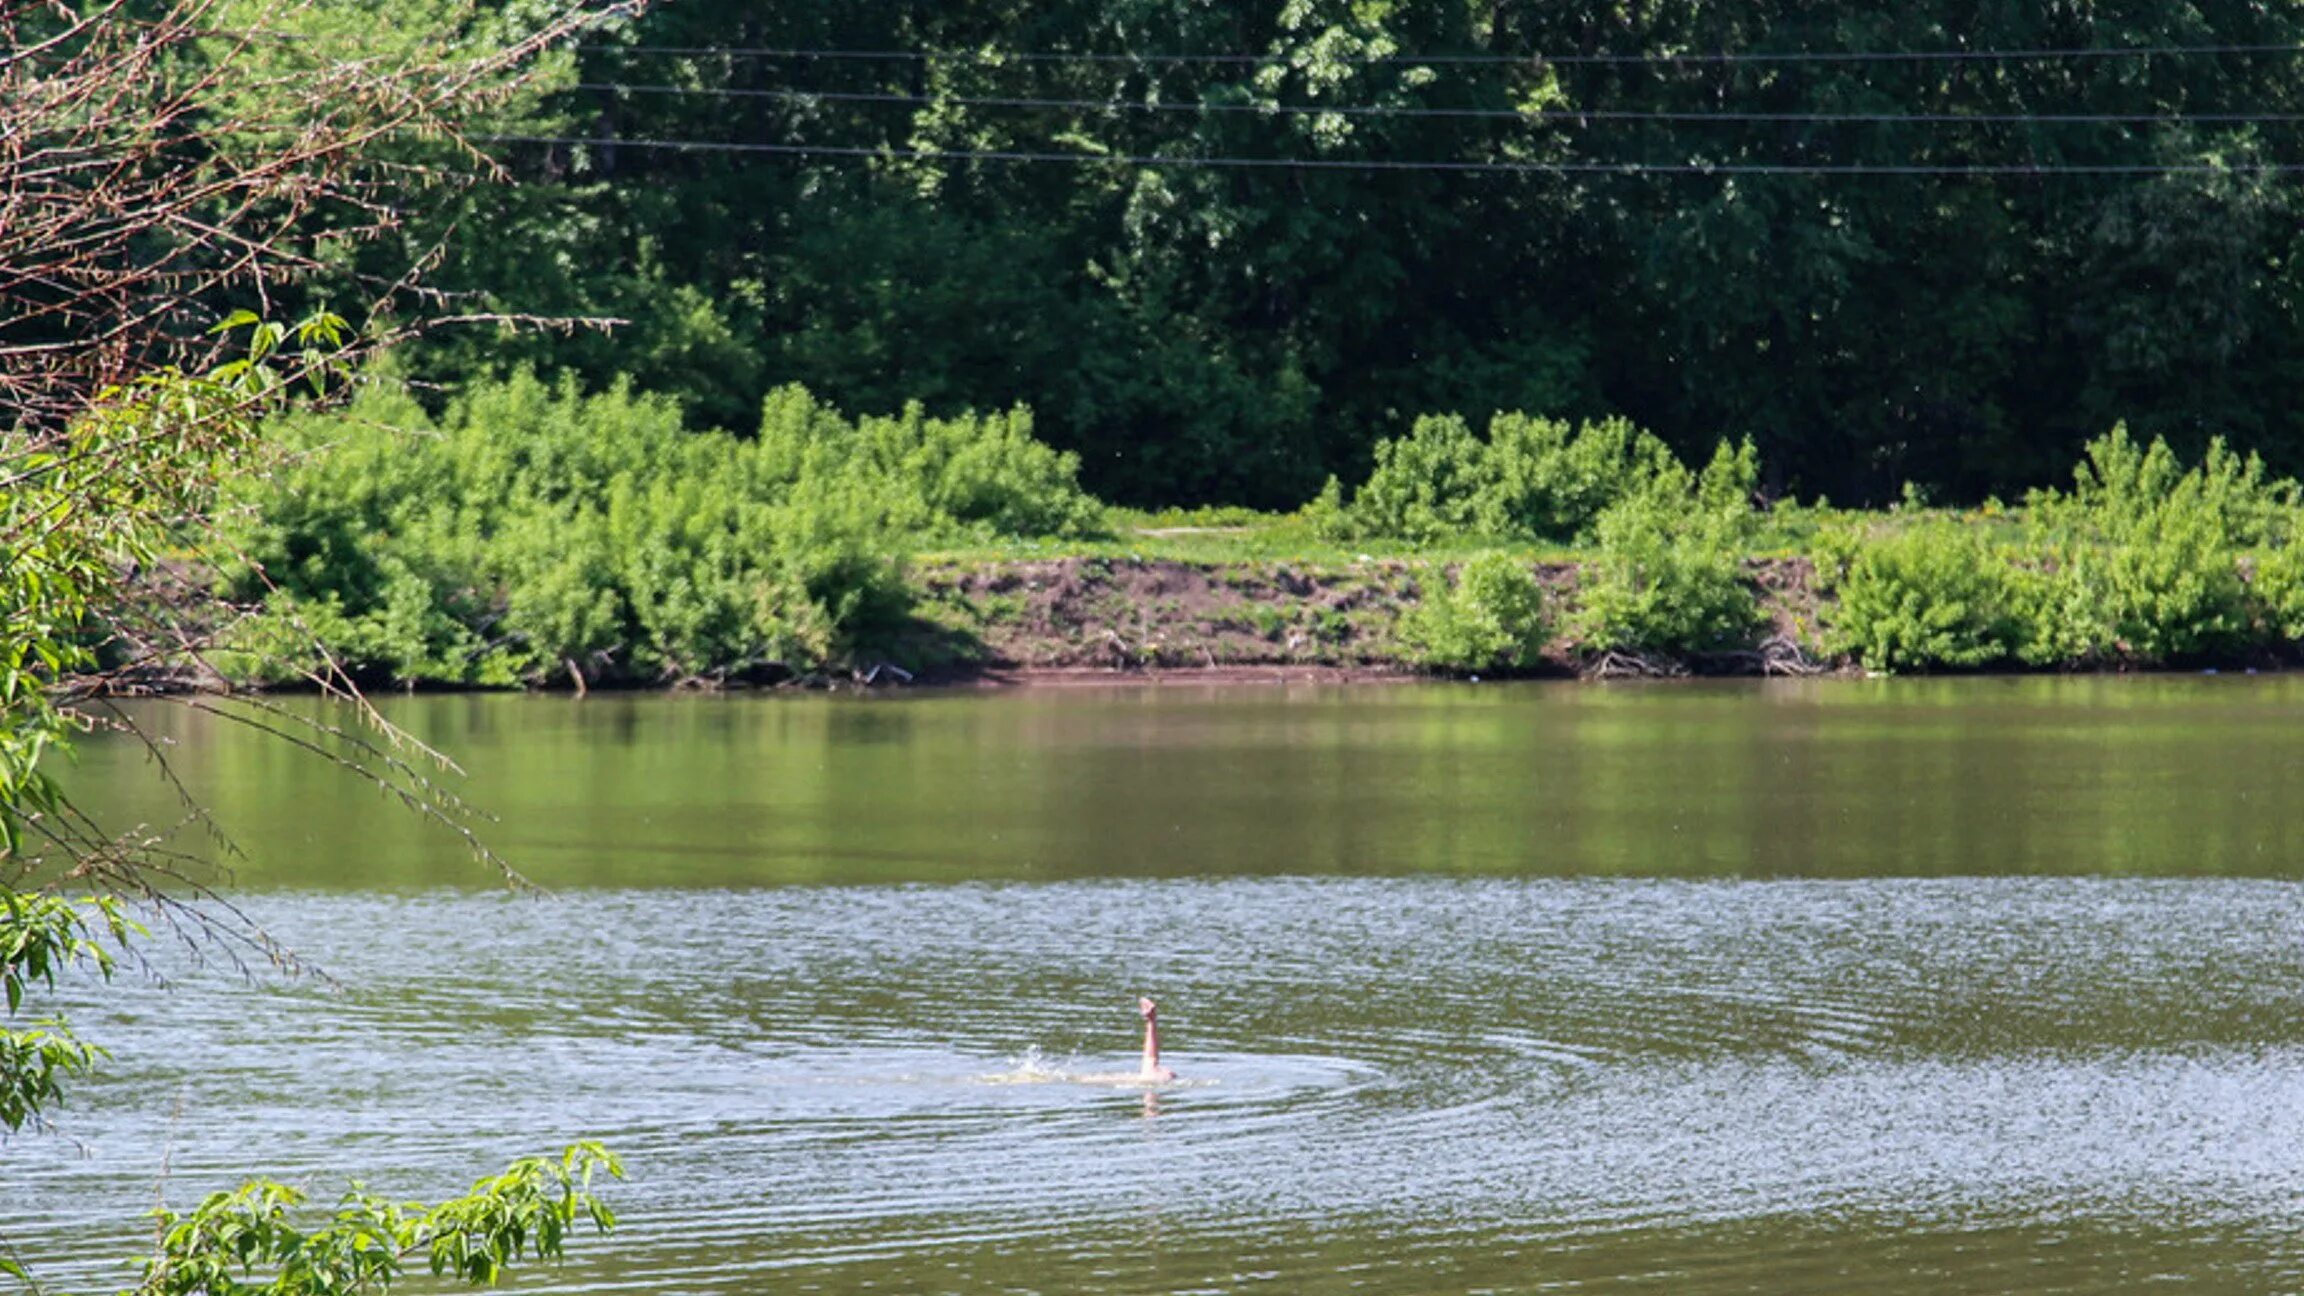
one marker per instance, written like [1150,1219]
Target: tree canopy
[1221,251]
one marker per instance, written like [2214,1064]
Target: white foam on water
[1033,1067]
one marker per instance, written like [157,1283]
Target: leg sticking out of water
[1152,1070]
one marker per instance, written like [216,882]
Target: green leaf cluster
[248,1241]
[1529,480]
[2276,590]
[534,531]
[80,505]
[1670,577]
[40,935]
[2143,553]
[1490,616]
[2141,561]
[1935,593]
[114,489]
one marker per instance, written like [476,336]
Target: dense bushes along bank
[532,534]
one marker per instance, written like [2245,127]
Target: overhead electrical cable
[1390,164]
[1532,58]
[1413,111]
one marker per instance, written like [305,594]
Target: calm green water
[1971,986]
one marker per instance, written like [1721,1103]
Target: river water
[1914,986]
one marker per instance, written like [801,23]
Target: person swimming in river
[1147,1072]
[1151,1069]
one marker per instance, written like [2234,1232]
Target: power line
[1530,59]
[1384,164]
[1412,111]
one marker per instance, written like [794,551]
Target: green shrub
[1726,486]
[2276,594]
[1531,480]
[945,478]
[2146,556]
[1425,485]
[839,574]
[563,599]
[1325,515]
[2056,604]
[986,471]
[2177,592]
[1541,482]
[1933,594]
[1491,616]
[533,530]
[1670,574]
[2121,490]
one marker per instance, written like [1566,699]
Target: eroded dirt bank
[1072,620]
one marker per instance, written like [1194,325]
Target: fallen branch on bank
[1624,663]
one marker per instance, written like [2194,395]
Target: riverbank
[540,537]
[1055,622]
[1060,620]
[1094,619]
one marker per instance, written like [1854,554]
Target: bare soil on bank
[1090,620]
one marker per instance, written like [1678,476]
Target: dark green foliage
[1200,334]
[1490,616]
[534,532]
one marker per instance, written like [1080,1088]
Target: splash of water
[1034,1067]
[1030,1067]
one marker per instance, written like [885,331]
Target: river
[1978,985]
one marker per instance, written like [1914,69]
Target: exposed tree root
[1622,663]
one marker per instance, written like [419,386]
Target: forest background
[1761,220]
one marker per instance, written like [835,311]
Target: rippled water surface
[1934,987]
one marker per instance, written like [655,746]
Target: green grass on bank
[1221,536]
[1238,535]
